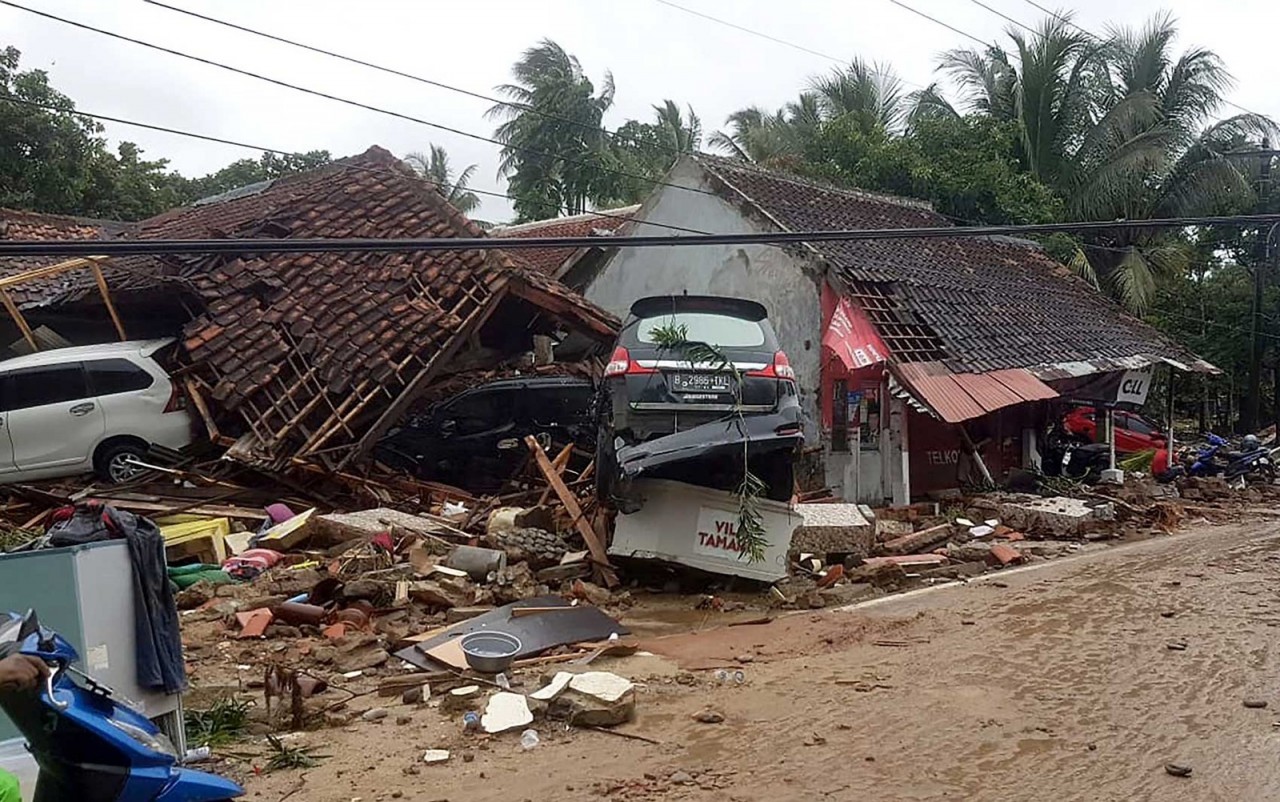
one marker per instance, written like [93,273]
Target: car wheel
[115,463]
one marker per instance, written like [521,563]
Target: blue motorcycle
[90,747]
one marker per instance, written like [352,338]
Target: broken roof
[555,262]
[974,304]
[310,348]
[21,226]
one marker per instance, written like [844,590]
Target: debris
[745,658]
[505,711]
[1056,516]
[1001,554]
[570,502]
[374,714]
[1255,704]
[709,716]
[907,560]
[254,623]
[1176,646]
[1177,770]
[919,541]
[833,529]
[461,699]
[433,756]
[529,740]
[590,699]
[681,778]
[479,563]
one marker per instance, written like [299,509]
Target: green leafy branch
[751,535]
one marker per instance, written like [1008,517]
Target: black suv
[662,415]
[475,440]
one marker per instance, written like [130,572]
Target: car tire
[111,462]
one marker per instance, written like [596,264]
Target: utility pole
[1253,398]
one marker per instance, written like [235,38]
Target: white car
[88,408]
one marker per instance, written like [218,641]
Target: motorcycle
[1253,466]
[89,746]
[1204,460]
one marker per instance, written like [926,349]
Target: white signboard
[1134,386]
[717,534]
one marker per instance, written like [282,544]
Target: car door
[51,417]
[472,430]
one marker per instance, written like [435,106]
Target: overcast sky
[653,50]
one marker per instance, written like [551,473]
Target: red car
[1134,433]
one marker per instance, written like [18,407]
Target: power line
[349,102]
[126,247]
[1068,21]
[524,107]
[772,38]
[981,4]
[279,152]
[951,28]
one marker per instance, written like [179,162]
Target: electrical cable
[122,247]
[951,28]
[1096,38]
[998,13]
[278,152]
[770,38]
[350,102]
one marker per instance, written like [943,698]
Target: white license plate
[700,382]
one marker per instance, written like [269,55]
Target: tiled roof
[977,304]
[554,261]
[308,347]
[18,225]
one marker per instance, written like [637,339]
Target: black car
[475,440]
[695,385]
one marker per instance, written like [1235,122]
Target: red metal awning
[957,397]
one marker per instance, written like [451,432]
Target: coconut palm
[1117,127]
[554,146]
[678,134]
[870,93]
[434,166]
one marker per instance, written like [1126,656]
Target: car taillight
[621,364]
[177,399]
[779,369]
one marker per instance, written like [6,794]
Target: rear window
[111,376]
[703,327]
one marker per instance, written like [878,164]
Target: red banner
[852,337]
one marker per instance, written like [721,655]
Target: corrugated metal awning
[957,397]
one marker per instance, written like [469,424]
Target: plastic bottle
[529,740]
[471,721]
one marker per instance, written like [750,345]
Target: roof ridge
[604,214]
[711,162]
[54,217]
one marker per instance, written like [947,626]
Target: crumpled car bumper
[760,433]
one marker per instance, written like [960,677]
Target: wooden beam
[570,502]
[14,312]
[50,270]
[559,463]
[106,299]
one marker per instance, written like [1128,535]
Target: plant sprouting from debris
[221,724]
[290,757]
[751,536]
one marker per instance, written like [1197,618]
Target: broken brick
[1004,554]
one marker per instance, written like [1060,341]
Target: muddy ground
[1053,682]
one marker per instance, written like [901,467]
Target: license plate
[700,382]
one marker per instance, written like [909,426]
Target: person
[18,672]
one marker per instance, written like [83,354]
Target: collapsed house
[923,364]
[308,356]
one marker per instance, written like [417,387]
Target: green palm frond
[1081,266]
[1134,281]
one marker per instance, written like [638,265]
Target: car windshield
[702,327]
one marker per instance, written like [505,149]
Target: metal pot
[490,652]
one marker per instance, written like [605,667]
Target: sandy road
[1060,686]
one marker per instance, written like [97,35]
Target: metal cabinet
[85,593]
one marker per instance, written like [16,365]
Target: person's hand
[22,672]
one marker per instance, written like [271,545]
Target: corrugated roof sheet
[957,397]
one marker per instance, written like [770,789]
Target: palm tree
[678,135]
[554,146]
[434,166]
[1116,127]
[870,93]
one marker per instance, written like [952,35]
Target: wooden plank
[559,463]
[49,270]
[197,398]
[570,502]
[106,299]
[12,309]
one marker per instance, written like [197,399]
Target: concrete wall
[788,285]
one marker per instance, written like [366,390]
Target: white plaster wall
[773,277]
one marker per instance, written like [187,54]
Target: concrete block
[1057,516]
[833,529]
